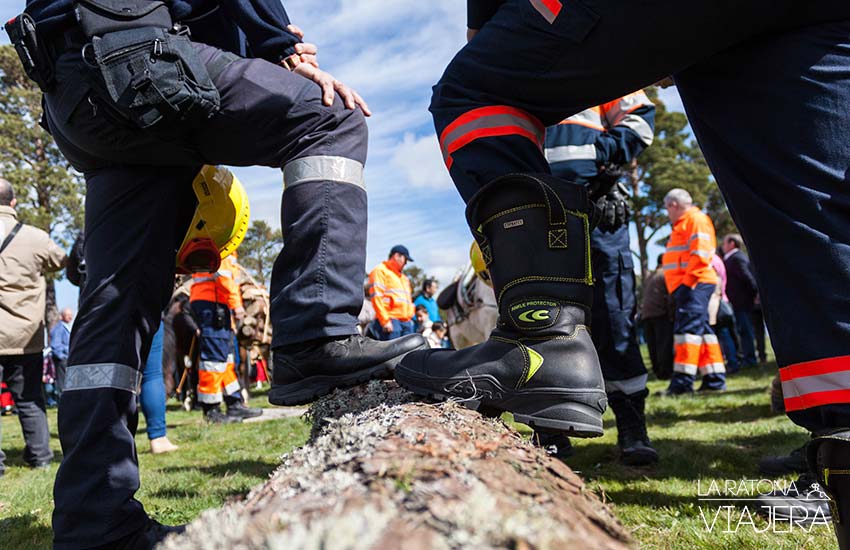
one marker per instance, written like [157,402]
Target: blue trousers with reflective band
[152,395]
[137,212]
[774,134]
[692,319]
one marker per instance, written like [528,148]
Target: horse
[471,309]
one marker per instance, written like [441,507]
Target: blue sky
[392,53]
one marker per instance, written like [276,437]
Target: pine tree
[49,191]
[259,250]
[673,161]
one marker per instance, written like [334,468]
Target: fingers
[361,103]
[306,48]
[296,30]
[327,85]
[345,94]
[311,59]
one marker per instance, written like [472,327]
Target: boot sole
[311,388]
[547,408]
[308,390]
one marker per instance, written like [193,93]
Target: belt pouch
[150,68]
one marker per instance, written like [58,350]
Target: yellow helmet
[478,264]
[220,222]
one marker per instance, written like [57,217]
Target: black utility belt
[149,66]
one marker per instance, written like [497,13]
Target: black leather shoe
[803,503]
[239,410]
[145,538]
[306,371]
[792,463]
[215,416]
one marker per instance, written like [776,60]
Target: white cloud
[420,161]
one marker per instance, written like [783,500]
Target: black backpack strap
[10,236]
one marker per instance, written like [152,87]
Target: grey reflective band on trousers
[102,375]
[628,386]
[563,153]
[323,168]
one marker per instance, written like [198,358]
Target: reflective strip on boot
[102,375]
[816,383]
[321,169]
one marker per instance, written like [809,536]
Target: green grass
[699,439]
[213,464]
[703,438]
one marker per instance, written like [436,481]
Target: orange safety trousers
[217,379]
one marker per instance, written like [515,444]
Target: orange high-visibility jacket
[219,287]
[390,293]
[687,260]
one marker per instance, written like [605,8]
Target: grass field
[700,439]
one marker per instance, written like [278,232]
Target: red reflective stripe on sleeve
[814,368]
[817,399]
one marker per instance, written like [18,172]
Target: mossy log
[383,471]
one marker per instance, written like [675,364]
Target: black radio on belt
[32,50]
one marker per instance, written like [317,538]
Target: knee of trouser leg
[349,136]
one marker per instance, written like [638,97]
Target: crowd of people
[543,203]
[390,310]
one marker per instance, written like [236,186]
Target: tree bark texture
[382,471]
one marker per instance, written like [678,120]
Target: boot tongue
[533,313]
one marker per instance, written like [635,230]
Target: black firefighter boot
[829,458]
[634,444]
[539,363]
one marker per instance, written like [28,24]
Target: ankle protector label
[534,314]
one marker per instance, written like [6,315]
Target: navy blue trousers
[744,323]
[766,85]
[400,328]
[139,203]
[613,313]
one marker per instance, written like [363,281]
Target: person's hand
[470,34]
[388,327]
[306,51]
[239,313]
[331,86]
